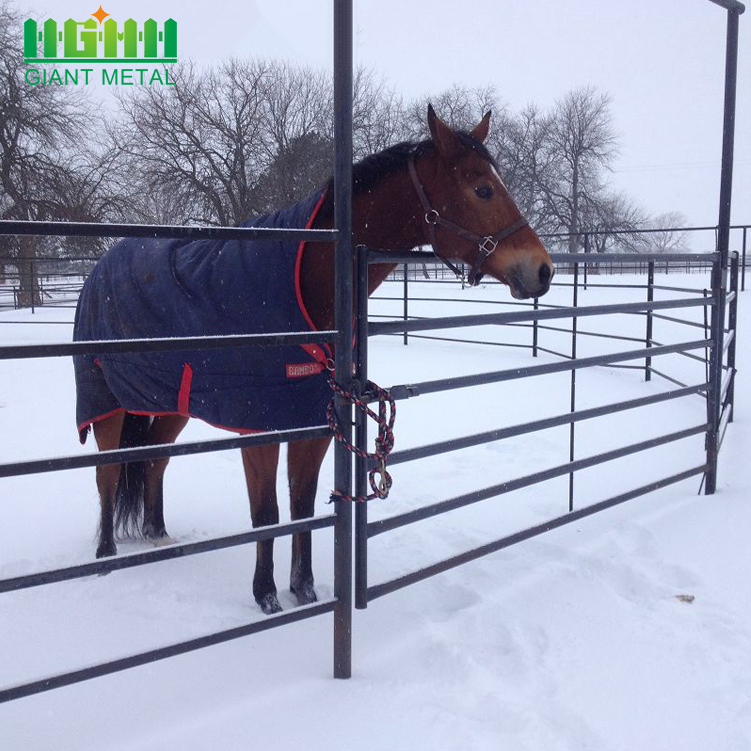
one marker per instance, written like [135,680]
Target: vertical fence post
[586,250]
[406,302]
[33,285]
[536,306]
[650,298]
[343,322]
[733,329]
[361,430]
[707,334]
[572,426]
[719,270]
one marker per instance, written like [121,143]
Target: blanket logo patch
[302,370]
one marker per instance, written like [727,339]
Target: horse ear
[443,136]
[480,131]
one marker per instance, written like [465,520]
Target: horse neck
[387,218]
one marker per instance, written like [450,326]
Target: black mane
[368,172]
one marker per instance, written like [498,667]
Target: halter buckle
[488,246]
[432,216]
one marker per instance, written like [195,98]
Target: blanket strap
[384,442]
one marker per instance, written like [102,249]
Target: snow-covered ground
[574,640]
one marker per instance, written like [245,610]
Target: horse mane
[368,172]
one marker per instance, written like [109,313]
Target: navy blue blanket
[168,288]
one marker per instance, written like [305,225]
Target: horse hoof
[160,540]
[106,549]
[305,593]
[152,533]
[270,604]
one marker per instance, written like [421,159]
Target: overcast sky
[661,60]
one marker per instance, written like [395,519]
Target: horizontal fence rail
[168,231]
[379,590]
[110,346]
[483,319]
[407,391]
[424,256]
[153,655]
[158,451]
[434,509]
[166,553]
[478,439]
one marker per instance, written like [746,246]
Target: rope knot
[384,441]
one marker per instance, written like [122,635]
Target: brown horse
[445,191]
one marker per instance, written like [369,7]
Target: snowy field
[574,640]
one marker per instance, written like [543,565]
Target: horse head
[470,215]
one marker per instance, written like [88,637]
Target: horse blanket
[174,288]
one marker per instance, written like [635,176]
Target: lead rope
[384,442]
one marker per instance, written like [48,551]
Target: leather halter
[486,245]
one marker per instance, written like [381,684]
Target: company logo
[98,41]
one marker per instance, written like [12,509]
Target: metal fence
[341,520]
[717,387]
[711,345]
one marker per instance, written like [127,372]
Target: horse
[445,191]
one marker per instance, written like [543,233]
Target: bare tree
[527,160]
[43,167]
[460,106]
[212,142]
[378,116]
[583,146]
[672,238]
[197,142]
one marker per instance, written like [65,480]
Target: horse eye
[485,192]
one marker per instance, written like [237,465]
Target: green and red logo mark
[98,41]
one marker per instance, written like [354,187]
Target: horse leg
[304,460]
[107,435]
[164,429]
[260,464]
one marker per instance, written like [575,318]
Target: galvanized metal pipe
[166,231]
[719,272]
[343,321]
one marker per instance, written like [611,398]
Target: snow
[573,640]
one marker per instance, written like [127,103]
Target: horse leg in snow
[164,429]
[107,435]
[304,460]
[260,464]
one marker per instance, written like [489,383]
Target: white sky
[661,60]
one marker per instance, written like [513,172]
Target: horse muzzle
[525,283]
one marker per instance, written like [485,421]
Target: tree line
[249,136]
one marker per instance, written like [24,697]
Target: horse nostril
[545,273]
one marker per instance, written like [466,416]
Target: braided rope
[384,442]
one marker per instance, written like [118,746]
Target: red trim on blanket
[183,396]
[321,355]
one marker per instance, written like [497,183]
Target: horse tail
[129,498]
